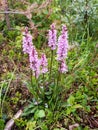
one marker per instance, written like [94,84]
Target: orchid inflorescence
[61,44]
[39,66]
[62,50]
[52,40]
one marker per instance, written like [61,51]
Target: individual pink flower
[52,40]
[34,62]
[27,41]
[62,45]
[43,64]
[63,67]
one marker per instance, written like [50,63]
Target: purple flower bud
[52,40]
[43,64]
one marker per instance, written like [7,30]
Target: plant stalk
[51,62]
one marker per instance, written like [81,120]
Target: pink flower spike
[62,45]
[43,64]
[27,41]
[33,55]
[34,62]
[52,37]
[63,68]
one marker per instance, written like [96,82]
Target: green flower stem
[51,63]
[43,86]
[58,74]
[31,77]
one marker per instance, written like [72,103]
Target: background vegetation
[80,83]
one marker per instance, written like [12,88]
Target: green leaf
[68,111]
[49,113]
[39,114]
[29,110]
[31,125]
[44,127]
[1,124]
[77,106]
[71,100]
[56,129]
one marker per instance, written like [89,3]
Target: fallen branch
[10,123]
[11,12]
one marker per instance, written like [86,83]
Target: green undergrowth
[78,99]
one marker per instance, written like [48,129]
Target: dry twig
[10,123]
